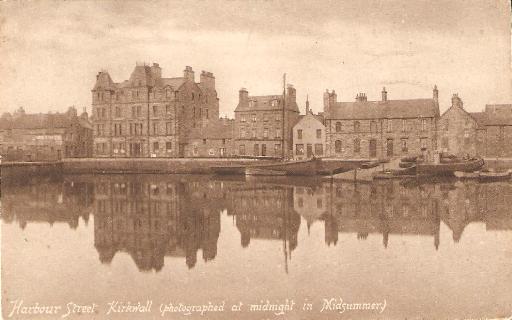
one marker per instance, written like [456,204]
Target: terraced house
[384,129]
[263,124]
[151,116]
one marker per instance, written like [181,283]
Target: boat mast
[283,124]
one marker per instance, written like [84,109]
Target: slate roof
[41,121]
[175,83]
[410,108]
[498,114]
[265,103]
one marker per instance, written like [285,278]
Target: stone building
[213,140]
[263,124]
[308,136]
[365,129]
[45,137]
[151,116]
[459,132]
[495,133]
[485,134]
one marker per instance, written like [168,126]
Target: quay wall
[147,165]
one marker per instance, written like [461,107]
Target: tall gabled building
[148,115]
[263,124]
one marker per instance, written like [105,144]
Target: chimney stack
[188,73]
[384,94]
[243,97]
[361,97]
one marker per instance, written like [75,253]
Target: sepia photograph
[256,159]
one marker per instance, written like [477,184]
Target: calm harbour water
[438,250]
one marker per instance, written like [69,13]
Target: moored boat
[449,168]
[466,175]
[263,172]
[494,176]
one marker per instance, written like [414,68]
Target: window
[357,145]
[253,118]
[423,124]
[446,124]
[299,149]
[241,149]
[337,146]
[423,143]
[103,113]
[319,203]
[404,125]
[265,117]
[277,147]
[168,146]
[256,150]
[389,125]
[278,133]
[133,112]
[273,103]
[168,109]
[242,119]
[357,126]
[204,141]
[207,114]
[155,146]
[318,133]
[278,118]
[155,111]
[242,133]
[319,149]
[118,112]
[254,133]
[265,133]
[338,126]
[299,134]
[444,142]
[404,145]
[138,111]
[155,128]
[168,128]
[251,103]
[373,127]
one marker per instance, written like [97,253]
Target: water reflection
[152,217]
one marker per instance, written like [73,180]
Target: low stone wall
[147,165]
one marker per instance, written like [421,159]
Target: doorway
[373,148]
[310,150]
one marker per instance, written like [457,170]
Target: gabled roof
[256,103]
[175,83]
[410,108]
[309,116]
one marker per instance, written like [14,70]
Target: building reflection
[152,217]
[265,211]
[392,207]
[44,200]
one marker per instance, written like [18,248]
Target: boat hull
[449,168]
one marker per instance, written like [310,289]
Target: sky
[51,51]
